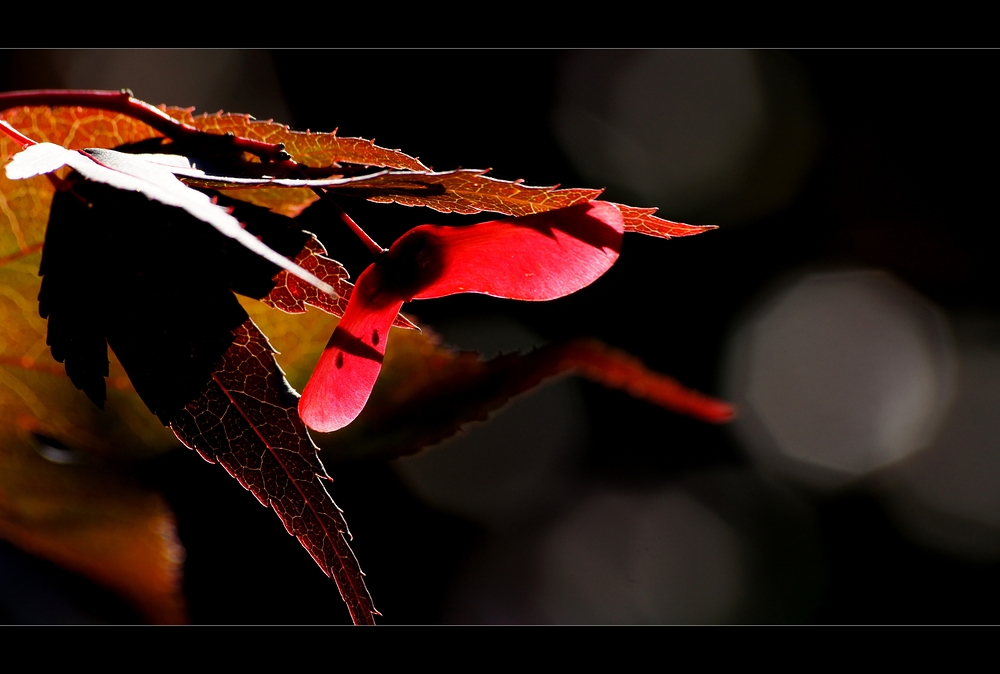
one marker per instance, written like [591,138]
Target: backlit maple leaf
[206,369]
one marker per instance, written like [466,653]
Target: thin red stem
[16,135]
[124,103]
[375,249]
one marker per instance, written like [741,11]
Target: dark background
[903,179]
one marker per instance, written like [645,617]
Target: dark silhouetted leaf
[427,392]
[153,178]
[90,247]
[182,361]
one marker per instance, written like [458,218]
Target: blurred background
[847,304]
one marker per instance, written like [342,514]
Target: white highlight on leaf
[177,164]
[153,176]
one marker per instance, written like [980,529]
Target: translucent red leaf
[246,419]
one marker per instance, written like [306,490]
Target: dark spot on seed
[374,336]
[340,360]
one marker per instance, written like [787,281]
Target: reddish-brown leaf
[289,202]
[471,191]
[246,419]
[643,221]
[24,205]
[306,147]
[292,295]
[76,127]
[462,191]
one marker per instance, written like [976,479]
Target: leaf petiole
[16,135]
[370,243]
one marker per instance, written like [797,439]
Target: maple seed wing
[534,257]
[349,366]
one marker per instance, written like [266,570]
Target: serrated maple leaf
[245,419]
[472,191]
[207,371]
[292,296]
[464,191]
[307,147]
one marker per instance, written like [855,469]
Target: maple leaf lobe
[246,419]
